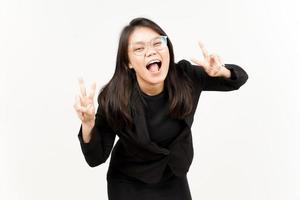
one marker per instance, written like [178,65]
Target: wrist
[89,124]
[226,73]
[86,131]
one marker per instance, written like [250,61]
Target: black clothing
[140,154]
[162,128]
[174,188]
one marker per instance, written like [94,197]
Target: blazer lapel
[141,134]
[138,116]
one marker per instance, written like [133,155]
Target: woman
[149,103]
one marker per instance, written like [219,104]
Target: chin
[157,80]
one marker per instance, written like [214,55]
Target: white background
[246,142]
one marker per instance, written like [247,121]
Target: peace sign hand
[212,63]
[84,104]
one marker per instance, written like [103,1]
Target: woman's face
[149,57]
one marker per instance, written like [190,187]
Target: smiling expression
[151,67]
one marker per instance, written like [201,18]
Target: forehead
[142,34]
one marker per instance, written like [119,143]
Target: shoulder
[183,64]
[193,71]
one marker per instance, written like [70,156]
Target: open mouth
[154,66]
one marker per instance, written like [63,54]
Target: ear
[130,66]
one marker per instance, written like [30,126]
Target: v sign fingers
[211,63]
[82,87]
[205,62]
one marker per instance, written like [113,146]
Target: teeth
[153,61]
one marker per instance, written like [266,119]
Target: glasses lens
[138,49]
[158,44]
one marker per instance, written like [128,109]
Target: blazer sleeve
[208,83]
[99,147]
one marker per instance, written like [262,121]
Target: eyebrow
[142,42]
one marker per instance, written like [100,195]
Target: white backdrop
[246,142]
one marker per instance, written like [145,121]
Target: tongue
[153,67]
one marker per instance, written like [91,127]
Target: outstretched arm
[214,75]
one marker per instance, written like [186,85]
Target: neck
[152,90]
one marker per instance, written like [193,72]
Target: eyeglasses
[140,48]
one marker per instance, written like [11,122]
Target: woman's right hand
[84,104]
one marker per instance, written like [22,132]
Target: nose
[150,51]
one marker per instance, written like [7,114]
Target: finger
[217,60]
[215,63]
[199,62]
[81,109]
[78,106]
[78,112]
[77,102]
[87,101]
[82,100]
[80,115]
[221,61]
[203,49]
[93,90]
[82,87]
[85,108]
[90,109]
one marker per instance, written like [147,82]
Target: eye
[138,49]
[157,43]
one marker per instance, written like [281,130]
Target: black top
[162,128]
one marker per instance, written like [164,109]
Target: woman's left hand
[212,64]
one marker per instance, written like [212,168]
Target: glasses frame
[146,45]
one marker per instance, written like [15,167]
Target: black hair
[115,96]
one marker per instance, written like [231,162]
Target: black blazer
[134,153]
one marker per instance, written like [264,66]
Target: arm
[214,75]
[102,138]
[203,81]
[237,77]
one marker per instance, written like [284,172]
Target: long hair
[115,96]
